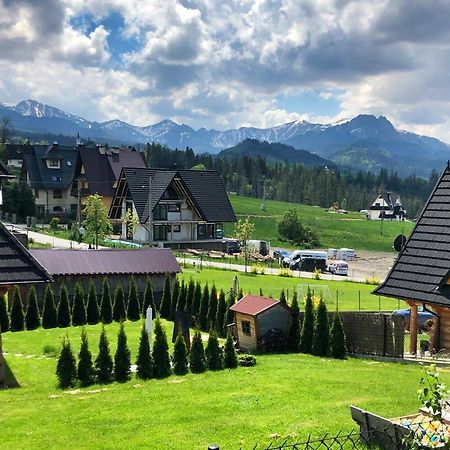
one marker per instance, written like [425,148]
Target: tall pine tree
[144,361]
[63,311]
[180,356]
[220,315]
[32,318]
[134,307]
[203,310]
[166,300]
[174,299]
[119,304]
[106,303]
[86,371]
[4,317]
[321,331]
[92,312]
[190,295]
[103,362]
[197,358]
[149,299]
[293,340]
[307,333]
[160,353]
[122,361]
[17,322]
[49,314]
[79,308]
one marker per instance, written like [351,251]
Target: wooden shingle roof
[422,268]
[17,266]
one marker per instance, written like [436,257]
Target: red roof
[107,262]
[253,304]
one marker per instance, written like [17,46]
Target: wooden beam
[413,329]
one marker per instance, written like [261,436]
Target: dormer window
[53,163]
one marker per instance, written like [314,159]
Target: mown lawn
[335,230]
[284,395]
[349,296]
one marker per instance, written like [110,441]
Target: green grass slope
[335,230]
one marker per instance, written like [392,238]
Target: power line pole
[263,204]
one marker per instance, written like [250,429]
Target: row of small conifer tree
[150,363]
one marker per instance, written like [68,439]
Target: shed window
[246,327]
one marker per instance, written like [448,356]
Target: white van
[257,246]
[338,268]
[346,254]
[332,253]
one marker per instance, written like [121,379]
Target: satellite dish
[399,242]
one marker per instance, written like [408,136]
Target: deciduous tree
[95,219]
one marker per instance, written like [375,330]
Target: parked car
[308,264]
[338,268]
[279,254]
[230,246]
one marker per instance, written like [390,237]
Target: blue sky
[228,64]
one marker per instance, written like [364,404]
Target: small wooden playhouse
[254,316]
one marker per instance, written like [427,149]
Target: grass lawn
[284,395]
[347,293]
[335,230]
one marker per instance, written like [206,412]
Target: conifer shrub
[195,307]
[144,361]
[190,295]
[246,360]
[166,299]
[49,313]
[92,312]
[181,302]
[220,315]
[32,317]
[174,300]
[283,297]
[17,322]
[79,308]
[103,362]
[180,356]
[321,331]
[240,294]
[337,338]
[106,303]
[197,358]
[229,317]
[122,357]
[4,317]
[134,308]
[307,333]
[160,353]
[203,310]
[293,340]
[230,359]
[213,352]
[63,310]
[149,299]
[119,314]
[85,371]
[66,368]
[212,308]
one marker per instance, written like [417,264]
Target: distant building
[188,207]
[254,316]
[388,207]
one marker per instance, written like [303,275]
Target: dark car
[279,254]
[231,246]
[309,264]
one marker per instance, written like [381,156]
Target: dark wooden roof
[107,262]
[204,188]
[423,266]
[17,265]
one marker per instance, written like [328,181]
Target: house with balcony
[173,208]
[387,206]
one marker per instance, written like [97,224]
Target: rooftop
[253,305]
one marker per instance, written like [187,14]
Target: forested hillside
[297,183]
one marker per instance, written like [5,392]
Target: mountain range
[364,142]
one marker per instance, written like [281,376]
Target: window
[57,209]
[174,207]
[176,228]
[73,206]
[160,232]
[69,163]
[57,193]
[36,193]
[246,327]
[53,163]
[160,212]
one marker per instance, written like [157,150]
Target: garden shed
[421,272]
[254,316]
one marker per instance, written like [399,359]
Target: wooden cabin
[254,316]
[421,273]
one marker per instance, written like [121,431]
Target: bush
[86,371]
[160,354]
[49,314]
[317,274]
[283,297]
[321,331]
[213,352]
[50,351]
[273,341]
[54,223]
[337,338]
[32,317]
[144,362]
[287,273]
[164,307]
[103,362]
[119,304]
[372,280]
[122,362]
[4,318]
[106,304]
[197,358]
[246,360]
[92,312]
[17,317]
[79,308]
[63,311]
[291,229]
[307,334]
[134,308]
[230,359]
[180,356]
[66,369]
